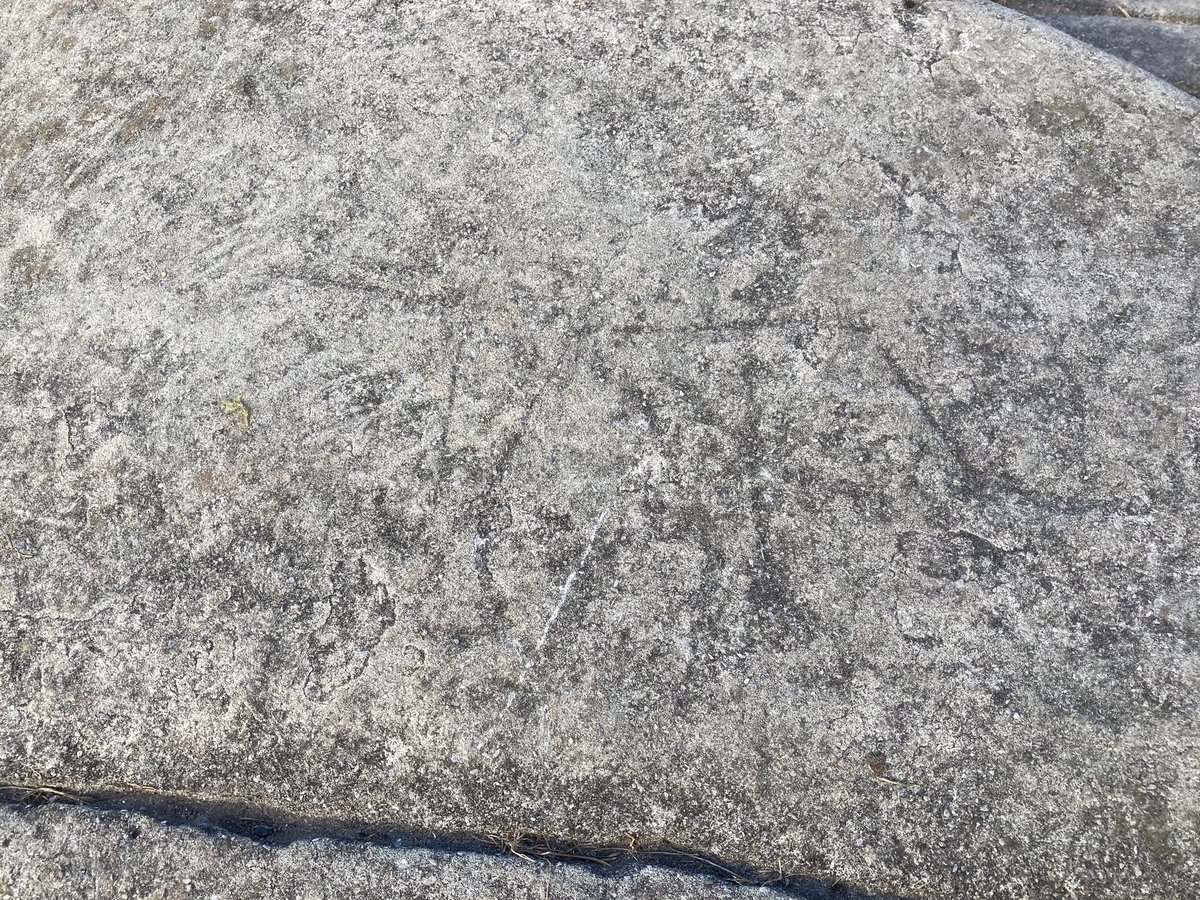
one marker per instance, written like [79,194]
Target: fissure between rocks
[273,827]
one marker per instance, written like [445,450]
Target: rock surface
[768,430]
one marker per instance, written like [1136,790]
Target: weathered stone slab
[769,430]
[51,853]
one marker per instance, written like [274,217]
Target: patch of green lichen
[236,407]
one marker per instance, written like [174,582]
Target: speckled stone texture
[57,853]
[769,429]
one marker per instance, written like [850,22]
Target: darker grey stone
[1160,36]
[1170,51]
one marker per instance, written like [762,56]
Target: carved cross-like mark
[982,482]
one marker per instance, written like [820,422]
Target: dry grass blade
[42,793]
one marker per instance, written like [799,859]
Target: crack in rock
[275,828]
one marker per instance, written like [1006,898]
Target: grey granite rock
[57,853]
[763,429]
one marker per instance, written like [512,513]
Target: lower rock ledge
[137,843]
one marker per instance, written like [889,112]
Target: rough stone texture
[54,853]
[767,429]
[1161,36]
